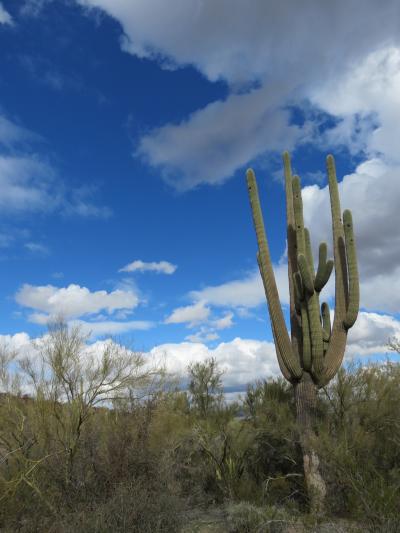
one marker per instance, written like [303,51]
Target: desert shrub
[274,460]
[247,518]
[360,443]
[136,463]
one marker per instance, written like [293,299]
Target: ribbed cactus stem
[309,254]
[276,315]
[306,348]
[298,290]
[298,215]
[338,240]
[324,268]
[295,327]
[335,352]
[326,321]
[317,346]
[354,288]
[283,368]
[306,276]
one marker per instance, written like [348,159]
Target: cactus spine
[313,353]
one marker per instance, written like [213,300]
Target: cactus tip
[250,176]
[347,217]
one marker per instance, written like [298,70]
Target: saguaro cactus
[313,353]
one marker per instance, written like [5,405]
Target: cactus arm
[306,339]
[309,254]
[271,291]
[341,291]
[317,346]
[306,276]
[354,287]
[335,352]
[285,372]
[306,272]
[298,290]
[326,321]
[313,323]
[295,328]
[298,215]
[324,268]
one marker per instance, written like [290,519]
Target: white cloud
[72,301]
[369,89]
[243,293]
[223,322]
[5,17]
[212,143]
[243,360]
[163,267]
[26,185]
[246,360]
[204,335]
[17,341]
[191,314]
[244,44]
[372,191]
[370,335]
[110,327]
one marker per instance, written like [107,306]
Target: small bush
[247,518]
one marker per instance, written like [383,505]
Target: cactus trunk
[305,392]
[311,356]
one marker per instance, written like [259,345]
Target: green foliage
[140,464]
[205,386]
[247,518]
[362,460]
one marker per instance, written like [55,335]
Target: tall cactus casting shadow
[313,353]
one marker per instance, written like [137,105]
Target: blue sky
[125,131]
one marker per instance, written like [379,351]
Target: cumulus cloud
[203,335]
[71,302]
[243,360]
[212,143]
[161,267]
[247,46]
[197,315]
[246,292]
[370,334]
[5,17]
[252,41]
[372,191]
[191,314]
[111,327]
[16,342]
[26,185]
[223,322]
[354,76]
[246,360]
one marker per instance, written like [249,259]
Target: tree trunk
[306,398]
